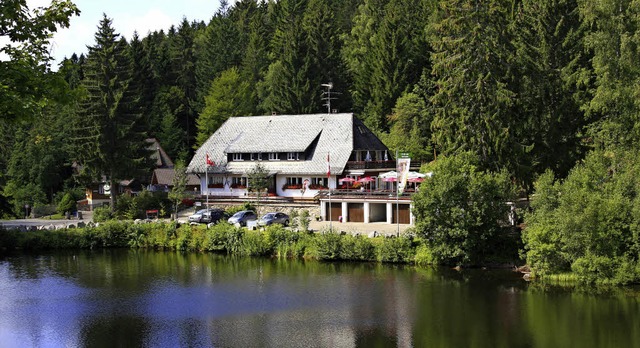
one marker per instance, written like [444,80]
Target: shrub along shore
[273,241]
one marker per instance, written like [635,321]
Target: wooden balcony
[363,165]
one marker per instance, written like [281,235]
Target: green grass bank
[274,241]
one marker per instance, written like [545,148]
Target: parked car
[242,217]
[197,216]
[212,216]
[274,218]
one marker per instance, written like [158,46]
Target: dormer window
[237,157]
[274,156]
[293,156]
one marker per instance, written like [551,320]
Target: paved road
[35,223]
[360,228]
[348,227]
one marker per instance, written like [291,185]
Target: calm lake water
[128,298]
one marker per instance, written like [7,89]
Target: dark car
[212,216]
[242,217]
[274,218]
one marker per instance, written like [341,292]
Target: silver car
[197,216]
[274,218]
[242,217]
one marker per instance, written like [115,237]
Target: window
[237,157]
[215,180]
[256,156]
[274,156]
[294,181]
[293,156]
[239,182]
[319,183]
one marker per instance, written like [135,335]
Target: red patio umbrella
[415,179]
[366,179]
[347,180]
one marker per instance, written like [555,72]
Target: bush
[294,219]
[236,208]
[233,239]
[357,248]
[304,220]
[67,204]
[398,250]
[286,243]
[255,243]
[424,256]
[589,223]
[274,241]
[326,246]
[101,214]
[460,208]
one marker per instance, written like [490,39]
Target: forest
[540,93]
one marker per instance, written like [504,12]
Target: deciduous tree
[459,211]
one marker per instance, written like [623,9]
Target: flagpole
[207,185]
[329,186]
[397,196]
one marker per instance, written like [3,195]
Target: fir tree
[110,139]
[474,99]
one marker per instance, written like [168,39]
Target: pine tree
[110,139]
[255,61]
[386,53]
[552,65]
[286,87]
[218,48]
[322,54]
[183,63]
[474,98]
[143,83]
[613,40]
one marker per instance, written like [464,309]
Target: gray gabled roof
[321,134]
[159,156]
[165,176]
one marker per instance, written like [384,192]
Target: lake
[126,298]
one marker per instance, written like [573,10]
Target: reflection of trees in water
[123,297]
[115,331]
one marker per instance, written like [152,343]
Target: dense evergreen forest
[523,87]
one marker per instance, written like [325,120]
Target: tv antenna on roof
[326,96]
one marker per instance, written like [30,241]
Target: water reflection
[131,298]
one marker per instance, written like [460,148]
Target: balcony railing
[351,165]
[357,194]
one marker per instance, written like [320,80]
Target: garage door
[334,211]
[356,212]
[404,214]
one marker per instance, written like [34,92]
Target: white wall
[281,180]
[225,191]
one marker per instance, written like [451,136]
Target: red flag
[210,162]
[328,166]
